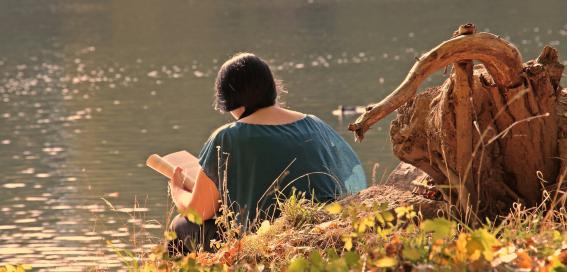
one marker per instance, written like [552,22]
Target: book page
[187,161]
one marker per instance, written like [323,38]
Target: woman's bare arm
[204,198]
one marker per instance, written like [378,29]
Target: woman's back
[260,162]
[267,153]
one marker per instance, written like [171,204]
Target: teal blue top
[255,163]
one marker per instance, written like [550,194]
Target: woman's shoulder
[314,118]
[321,127]
[317,121]
[223,131]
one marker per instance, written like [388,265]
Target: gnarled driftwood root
[488,135]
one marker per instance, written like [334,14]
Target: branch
[502,60]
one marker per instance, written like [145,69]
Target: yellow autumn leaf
[388,216]
[488,255]
[461,242]
[169,235]
[461,248]
[348,242]
[193,216]
[386,262]
[334,208]
[264,227]
[475,255]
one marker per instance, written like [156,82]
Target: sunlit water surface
[88,89]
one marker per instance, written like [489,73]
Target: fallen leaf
[386,262]
[334,208]
[524,260]
[264,227]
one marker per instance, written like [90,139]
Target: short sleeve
[212,157]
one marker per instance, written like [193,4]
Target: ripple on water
[28,220]
[118,245]
[38,235]
[7,227]
[134,221]
[149,246]
[28,171]
[34,228]
[130,210]
[92,207]
[52,151]
[78,238]
[13,185]
[36,198]
[15,250]
[151,226]
[120,234]
[66,251]
[61,207]
[66,222]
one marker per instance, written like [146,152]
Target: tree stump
[491,134]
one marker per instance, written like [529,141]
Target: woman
[265,153]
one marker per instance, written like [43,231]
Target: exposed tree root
[492,134]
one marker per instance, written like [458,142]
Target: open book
[166,166]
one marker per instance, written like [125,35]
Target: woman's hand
[177,189]
[178,178]
[204,198]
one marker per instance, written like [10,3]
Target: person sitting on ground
[267,152]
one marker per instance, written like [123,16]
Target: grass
[311,236]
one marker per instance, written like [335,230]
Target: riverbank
[383,228]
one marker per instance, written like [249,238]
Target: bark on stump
[492,134]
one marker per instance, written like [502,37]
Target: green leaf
[331,253]
[557,236]
[411,254]
[298,264]
[440,227]
[411,228]
[351,258]
[483,241]
[316,261]
[484,238]
[560,268]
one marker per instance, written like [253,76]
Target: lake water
[88,89]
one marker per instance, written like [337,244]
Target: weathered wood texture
[489,135]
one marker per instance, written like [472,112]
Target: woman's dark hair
[245,80]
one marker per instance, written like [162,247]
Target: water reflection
[85,96]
